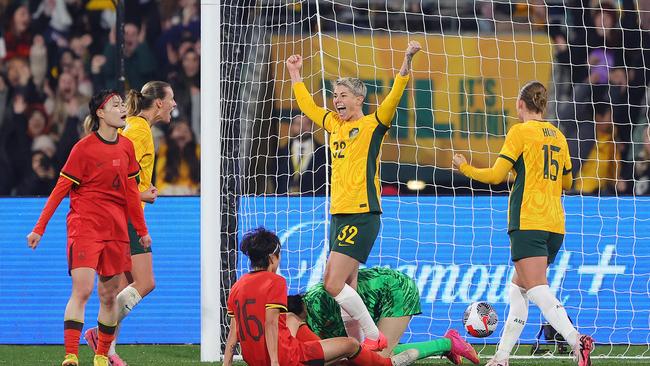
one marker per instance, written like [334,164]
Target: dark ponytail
[258,244]
[91,123]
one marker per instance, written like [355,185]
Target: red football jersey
[249,298]
[100,170]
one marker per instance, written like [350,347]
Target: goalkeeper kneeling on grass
[392,298]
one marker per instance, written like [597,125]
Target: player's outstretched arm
[305,101]
[387,108]
[61,189]
[493,175]
[231,343]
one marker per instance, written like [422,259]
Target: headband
[108,97]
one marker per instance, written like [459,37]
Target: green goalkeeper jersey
[385,292]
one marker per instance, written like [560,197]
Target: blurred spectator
[177,164]
[16,137]
[18,38]
[642,167]
[599,172]
[84,84]
[139,62]
[53,20]
[4,93]
[604,52]
[19,78]
[79,45]
[38,61]
[42,177]
[180,31]
[187,84]
[301,163]
[67,106]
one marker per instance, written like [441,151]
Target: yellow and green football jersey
[355,148]
[540,157]
[137,130]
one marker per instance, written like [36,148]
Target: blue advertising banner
[455,248]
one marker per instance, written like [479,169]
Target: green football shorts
[354,234]
[134,240]
[535,243]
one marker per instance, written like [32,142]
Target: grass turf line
[161,355]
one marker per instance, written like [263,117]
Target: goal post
[211,309]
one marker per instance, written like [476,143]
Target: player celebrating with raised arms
[539,155]
[257,305]
[355,143]
[100,175]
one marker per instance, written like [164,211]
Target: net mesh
[447,233]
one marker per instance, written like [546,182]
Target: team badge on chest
[353,133]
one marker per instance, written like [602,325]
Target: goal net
[445,232]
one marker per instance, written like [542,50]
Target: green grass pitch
[161,355]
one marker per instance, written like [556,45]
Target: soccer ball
[480,319]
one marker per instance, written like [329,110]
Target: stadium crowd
[54,54]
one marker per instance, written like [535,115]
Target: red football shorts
[311,353]
[305,334]
[298,353]
[107,257]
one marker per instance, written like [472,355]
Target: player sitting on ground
[257,305]
[392,298]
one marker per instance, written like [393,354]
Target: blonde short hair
[356,86]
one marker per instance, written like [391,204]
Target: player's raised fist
[458,160]
[413,48]
[33,239]
[294,63]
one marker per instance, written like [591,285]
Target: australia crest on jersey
[353,133]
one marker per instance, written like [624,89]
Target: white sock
[352,327]
[553,312]
[349,300]
[517,316]
[126,301]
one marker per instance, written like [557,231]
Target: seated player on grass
[257,306]
[391,297]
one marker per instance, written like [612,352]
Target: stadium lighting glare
[415,185]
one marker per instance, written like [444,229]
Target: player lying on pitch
[391,297]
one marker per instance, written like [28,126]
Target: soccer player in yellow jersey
[539,155]
[154,103]
[355,143]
